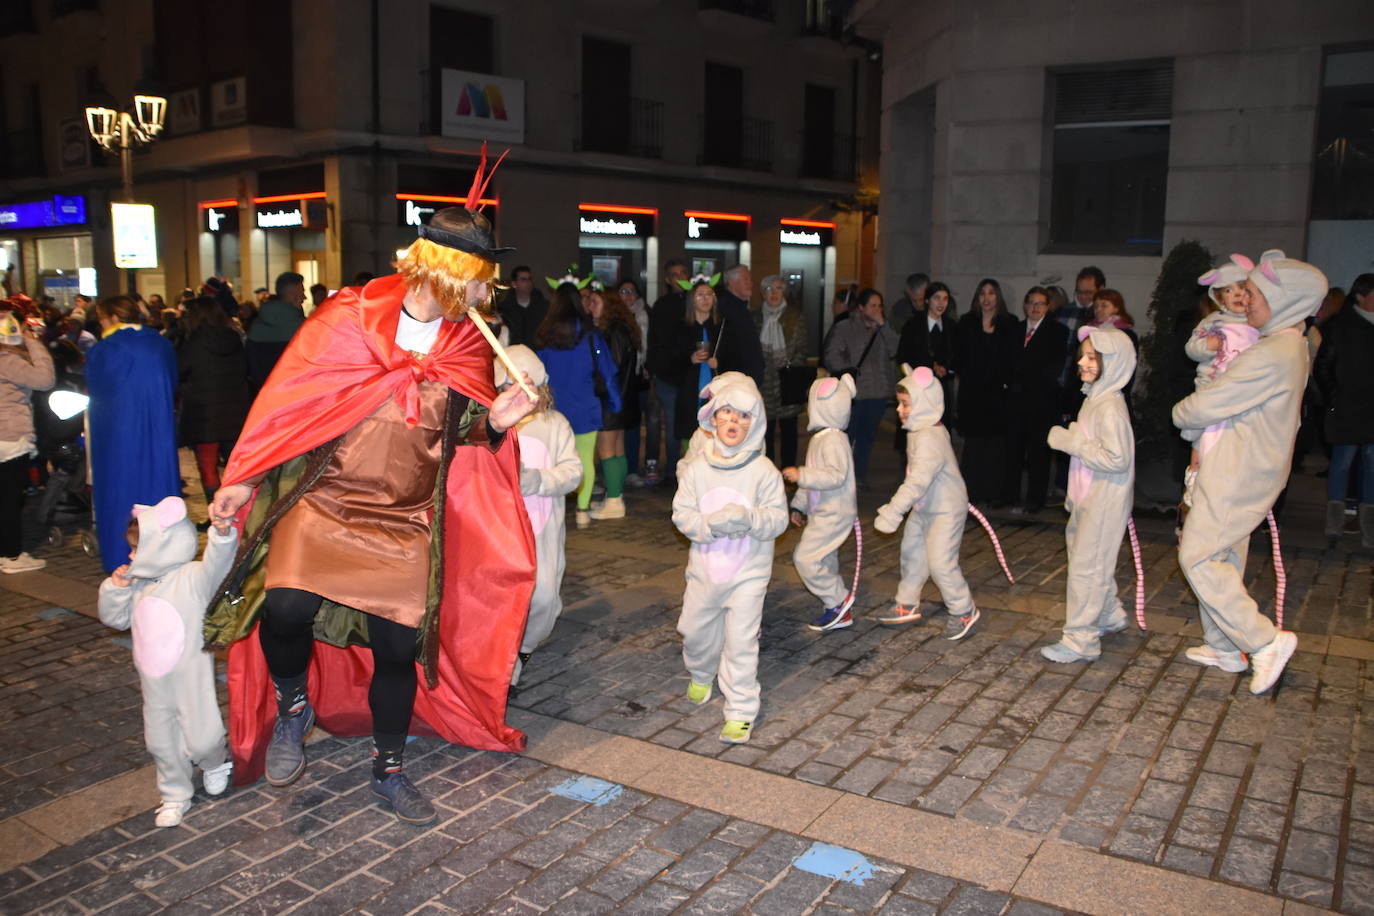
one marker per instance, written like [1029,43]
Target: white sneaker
[169,814]
[611,507]
[21,564]
[1230,662]
[216,779]
[1268,662]
[583,518]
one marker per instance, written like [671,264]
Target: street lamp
[122,131]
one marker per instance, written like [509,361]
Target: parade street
[891,770]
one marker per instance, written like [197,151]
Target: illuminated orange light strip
[813,223]
[704,214]
[216,204]
[616,208]
[278,198]
[442,199]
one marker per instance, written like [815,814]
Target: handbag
[599,387]
[794,383]
[854,369]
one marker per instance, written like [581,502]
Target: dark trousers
[981,465]
[785,430]
[864,417]
[287,636]
[14,477]
[1028,451]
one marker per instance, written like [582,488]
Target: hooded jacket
[215,394]
[1100,441]
[1261,394]
[933,484]
[825,484]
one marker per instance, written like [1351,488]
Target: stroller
[60,423]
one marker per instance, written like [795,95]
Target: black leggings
[287,637]
[14,477]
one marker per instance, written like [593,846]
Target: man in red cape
[382,527]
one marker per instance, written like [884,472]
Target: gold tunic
[360,536]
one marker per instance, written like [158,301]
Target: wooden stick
[515,374]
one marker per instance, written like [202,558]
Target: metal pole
[126,164]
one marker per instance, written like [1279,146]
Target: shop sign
[416,209]
[222,219]
[229,102]
[61,210]
[480,106]
[811,234]
[717,227]
[291,212]
[183,112]
[134,227]
[74,145]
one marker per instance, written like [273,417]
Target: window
[458,40]
[605,95]
[754,9]
[724,117]
[1110,158]
[825,152]
[23,141]
[1343,177]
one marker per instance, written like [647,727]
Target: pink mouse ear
[170,511]
[1267,268]
[1083,332]
[922,376]
[1243,262]
[827,386]
[1208,278]
[704,413]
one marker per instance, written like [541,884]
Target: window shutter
[1095,96]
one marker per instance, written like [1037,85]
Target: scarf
[770,335]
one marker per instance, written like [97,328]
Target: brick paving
[503,844]
[1141,756]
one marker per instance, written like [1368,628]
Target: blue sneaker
[958,627]
[405,800]
[286,750]
[835,618]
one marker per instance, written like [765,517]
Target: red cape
[340,367]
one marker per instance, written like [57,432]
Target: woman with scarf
[784,344]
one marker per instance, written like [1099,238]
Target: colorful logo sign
[482,107]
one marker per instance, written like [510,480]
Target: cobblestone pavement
[504,843]
[1141,756]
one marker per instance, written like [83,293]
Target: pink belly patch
[159,637]
[1210,435]
[1080,479]
[724,556]
[535,454]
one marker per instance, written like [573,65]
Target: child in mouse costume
[1257,400]
[161,593]
[825,500]
[550,469]
[935,501]
[731,505]
[1101,488]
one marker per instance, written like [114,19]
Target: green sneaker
[698,693]
[735,732]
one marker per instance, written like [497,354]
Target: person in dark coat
[1344,372]
[278,320]
[617,324]
[987,341]
[733,307]
[523,306]
[1034,398]
[215,393]
[664,317]
[695,349]
[930,339]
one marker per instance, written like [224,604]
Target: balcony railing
[831,156]
[743,144]
[639,132]
[754,9]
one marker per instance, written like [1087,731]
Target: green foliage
[1169,373]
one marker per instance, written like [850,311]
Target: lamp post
[122,132]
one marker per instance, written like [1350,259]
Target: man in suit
[1034,402]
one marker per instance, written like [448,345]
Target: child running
[1101,487]
[731,505]
[550,469]
[163,594]
[935,501]
[824,506]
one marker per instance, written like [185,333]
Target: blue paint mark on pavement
[588,789]
[835,862]
[53,612]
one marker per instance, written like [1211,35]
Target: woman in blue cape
[132,376]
